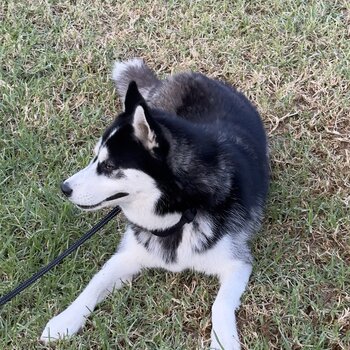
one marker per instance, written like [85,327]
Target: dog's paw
[64,325]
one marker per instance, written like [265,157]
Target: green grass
[292,58]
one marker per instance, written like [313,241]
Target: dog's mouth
[111,198]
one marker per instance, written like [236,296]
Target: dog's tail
[134,70]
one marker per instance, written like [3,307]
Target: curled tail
[134,70]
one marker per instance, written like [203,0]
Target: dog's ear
[144,127]
[133,98]
[143,124]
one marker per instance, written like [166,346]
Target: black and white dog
[187,163]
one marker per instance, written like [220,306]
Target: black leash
[7,297]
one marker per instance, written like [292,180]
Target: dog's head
[128,164]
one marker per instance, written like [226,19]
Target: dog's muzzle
[67,191]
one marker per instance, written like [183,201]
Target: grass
[292,58]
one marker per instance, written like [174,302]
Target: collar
[186,218]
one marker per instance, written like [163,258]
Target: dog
[187,162]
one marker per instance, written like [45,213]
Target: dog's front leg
[118,269]
[224,334]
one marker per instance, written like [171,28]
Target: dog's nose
[66,189]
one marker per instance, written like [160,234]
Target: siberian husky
[187,163]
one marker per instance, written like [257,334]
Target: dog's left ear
[142,122]
[143,129]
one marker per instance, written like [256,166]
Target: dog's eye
[107,165]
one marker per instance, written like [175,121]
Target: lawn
[292,58]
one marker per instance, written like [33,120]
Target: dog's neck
[159,225]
